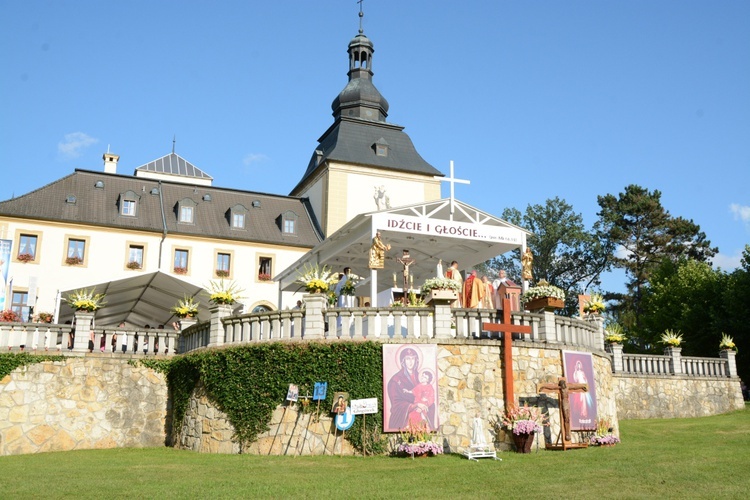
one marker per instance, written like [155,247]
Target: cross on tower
[452,179]
[506,328]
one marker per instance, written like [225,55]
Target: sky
[531,100]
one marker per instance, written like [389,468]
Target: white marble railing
[704,367]
[34,336]
[50,337]
[647,364]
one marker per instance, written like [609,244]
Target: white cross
[452,179]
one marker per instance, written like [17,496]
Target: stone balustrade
[672,363]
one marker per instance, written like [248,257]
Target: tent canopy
[146,299]
[444,230]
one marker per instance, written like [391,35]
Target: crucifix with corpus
[506,328]
[563,389]
[406,261]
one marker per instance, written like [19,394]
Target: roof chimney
[110,162]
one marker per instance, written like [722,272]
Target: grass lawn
[700,457]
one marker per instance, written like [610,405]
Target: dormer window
[289,222]
[238,216]
[380,147]
[128,203]
[186,211]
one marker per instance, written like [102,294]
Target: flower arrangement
[351,284]
[133,264]
[417,439]
[73,261]
[314,278]
[222,292]
[264,277]
[85,300]
[727,342]
[542,290]
[614,334]
[440,284]
[604,436]
[44,317]
[606,440]
[524,419]
[24,257]
[186,308]
[9,316]
[594,304]
[180,270]
[222,273]
[671,338]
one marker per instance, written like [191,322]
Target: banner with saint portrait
[410,386]
[579,369]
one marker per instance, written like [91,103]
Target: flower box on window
[25,257]
[222,273]
[133,264]
[180,270]
[264,277]
[74,261]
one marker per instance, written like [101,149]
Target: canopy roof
[443,229]
[146,299]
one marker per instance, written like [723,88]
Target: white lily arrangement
[671,338]
[542,290]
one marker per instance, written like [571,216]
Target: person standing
[454,274]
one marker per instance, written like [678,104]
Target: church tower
[363,163]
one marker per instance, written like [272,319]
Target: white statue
[477,435]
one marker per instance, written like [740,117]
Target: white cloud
[622,253]
[741,212]
[253,158]
[727,262]
[74,143]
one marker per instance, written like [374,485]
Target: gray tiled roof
[351,140]
[173,164]
[99,207]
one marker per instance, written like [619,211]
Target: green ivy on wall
[247,383]
[11,361]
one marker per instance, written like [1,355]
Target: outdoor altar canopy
[444,230]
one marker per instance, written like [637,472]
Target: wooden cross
[506,328]
[562,388]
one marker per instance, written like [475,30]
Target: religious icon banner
[579,369]
[410,386]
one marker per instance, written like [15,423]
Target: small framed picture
[340,402]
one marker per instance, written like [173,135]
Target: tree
[637,224]
[565,254]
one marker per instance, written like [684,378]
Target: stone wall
[470,384]
[674,396]
[291,432]
[81,403]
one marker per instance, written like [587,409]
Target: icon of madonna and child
[410,387]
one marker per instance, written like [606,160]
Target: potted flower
[441,288]
[222,273]
[180,270]
[24,257]
[727,343]
[186,308]
[604,436]
[614,334]
[8,316]
[594,305]
[523,422]
[671,338]
[417,441]
[133,264]
[224,292]
[74,261]
[44,317]
[85,300]
[314,278]
[543,296]
[264,277]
